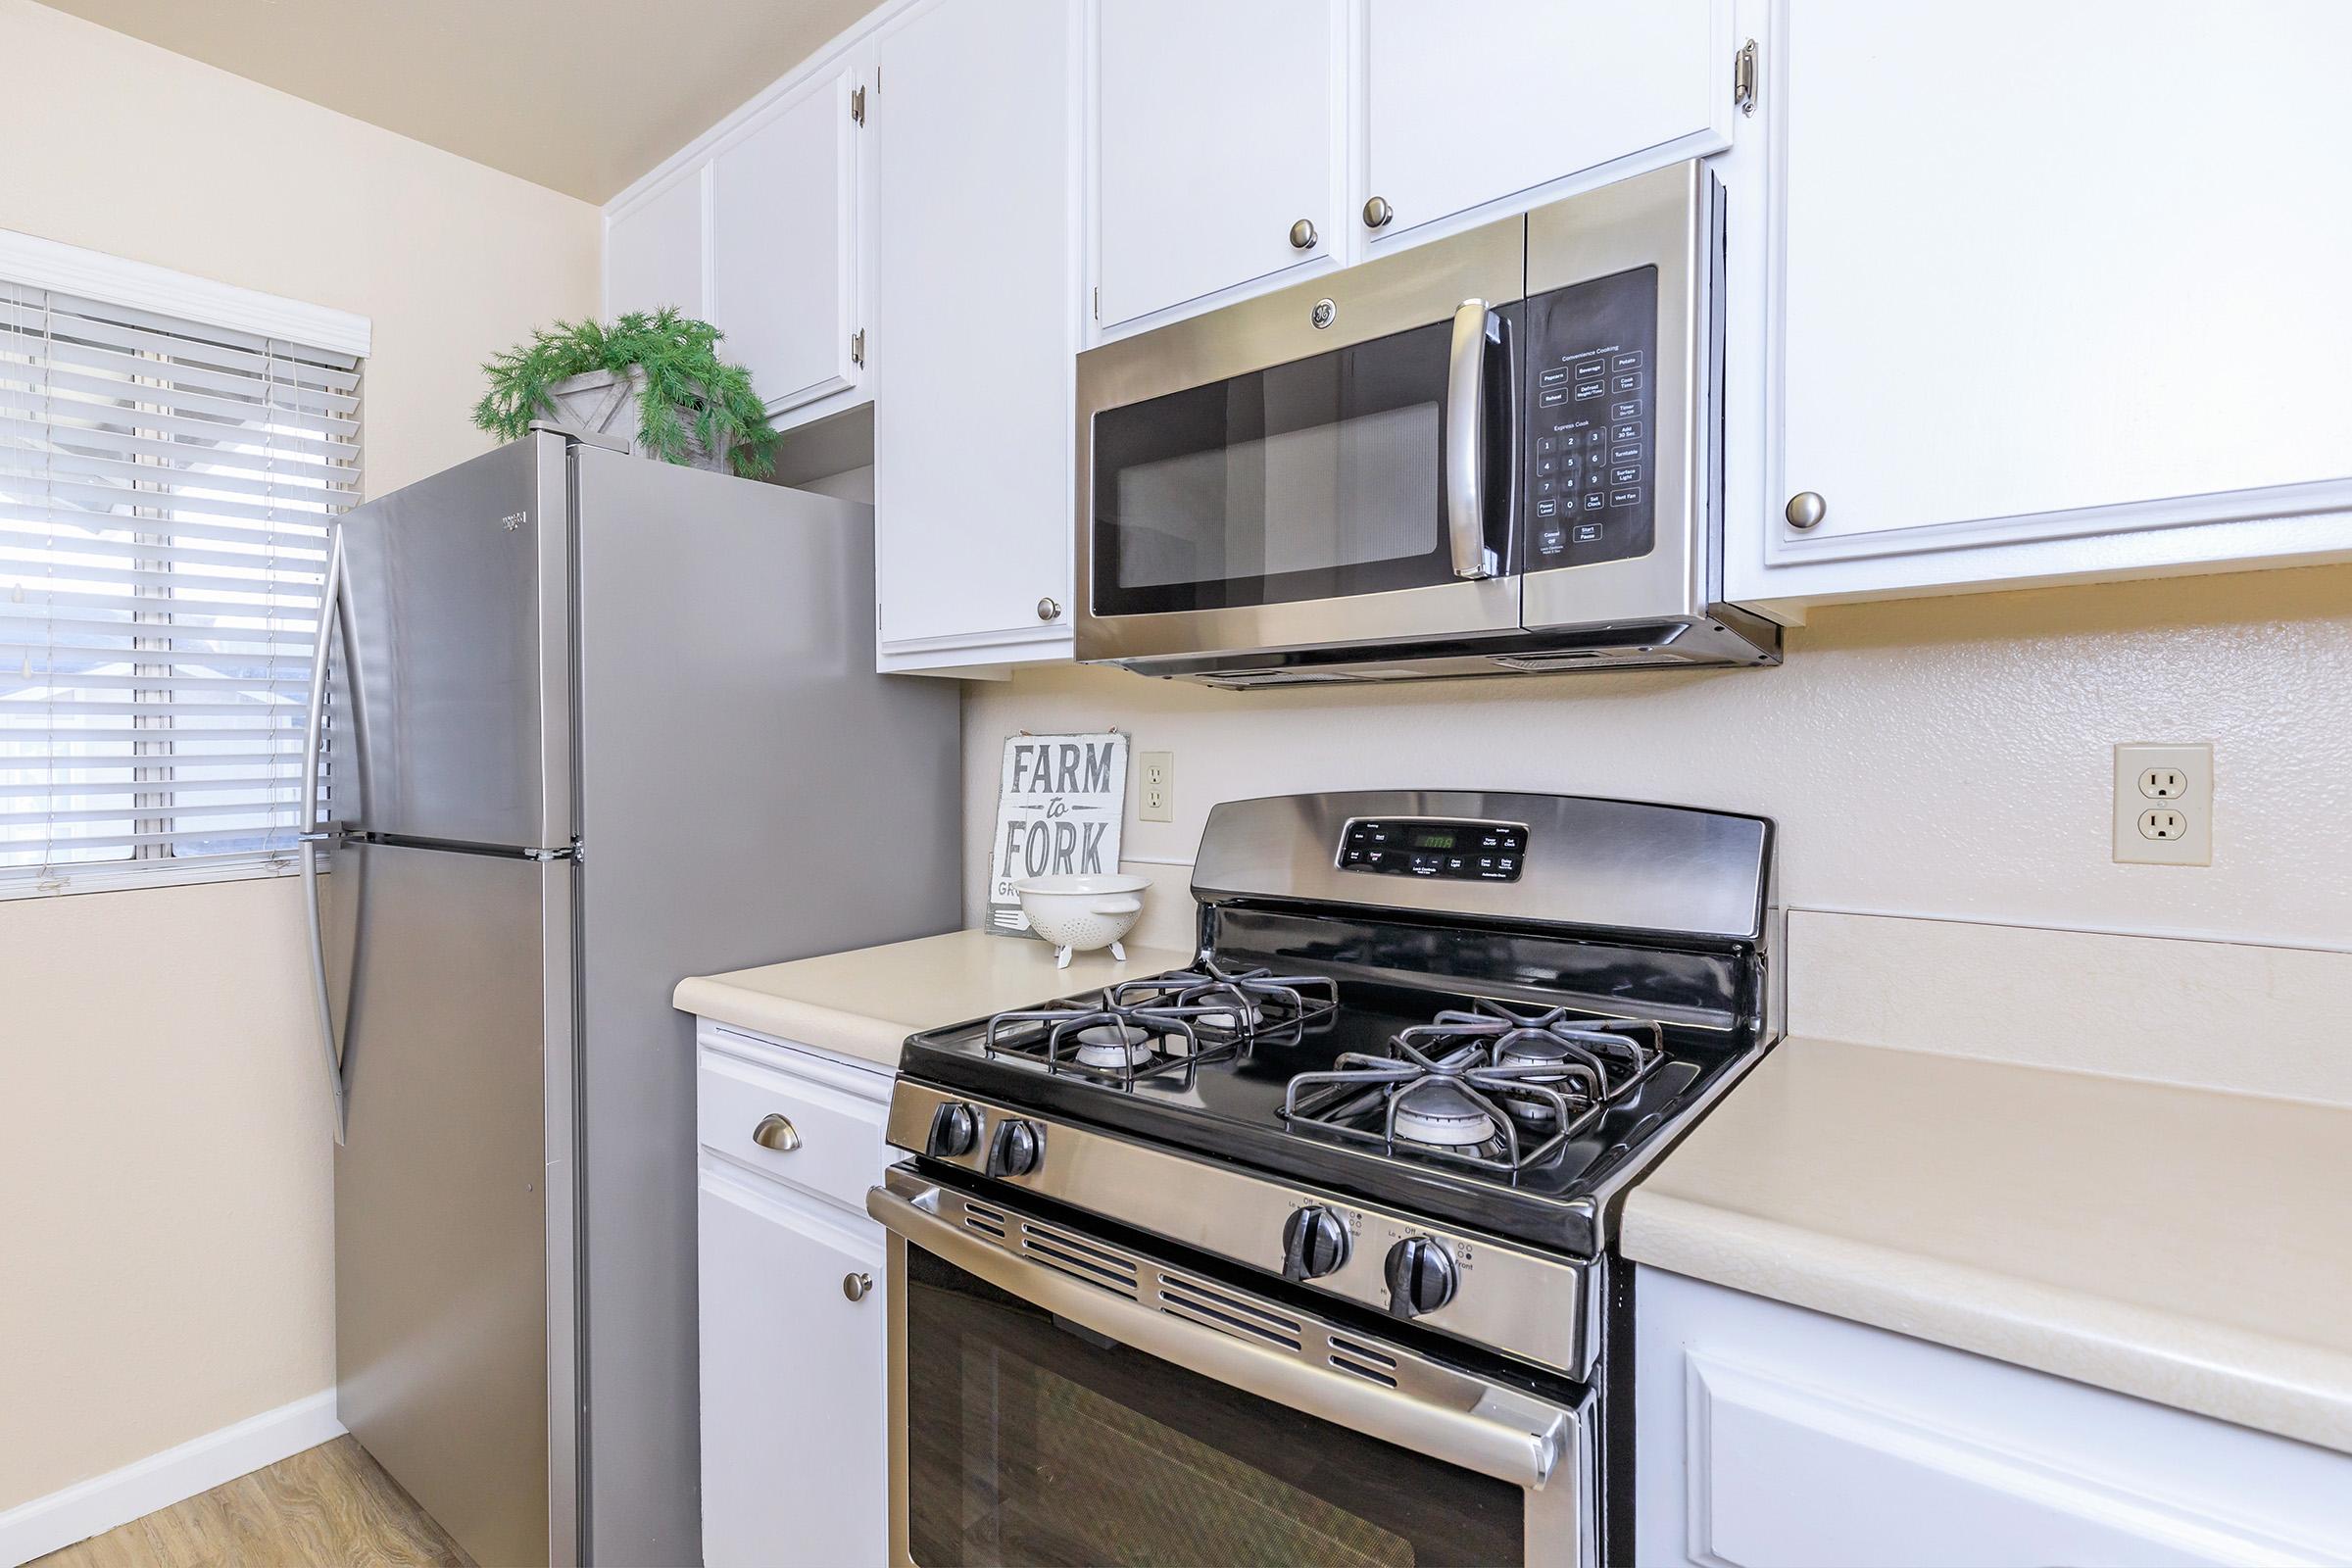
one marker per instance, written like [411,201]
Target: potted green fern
[692,406]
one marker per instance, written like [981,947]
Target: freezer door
[453,1207]
[458,597]
[751,791]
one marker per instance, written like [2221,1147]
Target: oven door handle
[1477,1426]
[1467,443]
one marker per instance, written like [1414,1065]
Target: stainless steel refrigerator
[592,723]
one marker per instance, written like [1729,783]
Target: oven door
[1328,464]
[1055,1399]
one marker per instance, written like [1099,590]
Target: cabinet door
[1768,1433]
[1457,112]
[794,1462]
[2056,271]
[976,284]
[784,244]
[1216,123]
[654,252]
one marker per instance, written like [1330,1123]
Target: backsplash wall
[1946,758]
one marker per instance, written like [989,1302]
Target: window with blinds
[165,490]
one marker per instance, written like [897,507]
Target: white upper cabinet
[1217,134]
[654,251]
[1459,112]
[784,241]
[2058,289]
[976,284]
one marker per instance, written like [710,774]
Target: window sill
[122,876]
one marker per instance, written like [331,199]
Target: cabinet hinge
[858,346]
[857,105]
[1743,78]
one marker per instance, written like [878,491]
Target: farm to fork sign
[1059,804]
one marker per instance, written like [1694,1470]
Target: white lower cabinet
[793,1311]
[1766,1434]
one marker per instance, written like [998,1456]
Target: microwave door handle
[1467,443]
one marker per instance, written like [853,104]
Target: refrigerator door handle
[314,730]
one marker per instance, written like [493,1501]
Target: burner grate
[1540,1079]
[1171,1023]
[1253,1004]
[1054,1036]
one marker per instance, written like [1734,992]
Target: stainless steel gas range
[1301,1254]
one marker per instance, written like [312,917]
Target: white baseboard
[94,1507]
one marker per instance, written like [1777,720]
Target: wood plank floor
[332,1506]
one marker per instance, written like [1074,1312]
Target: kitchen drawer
[841,1152]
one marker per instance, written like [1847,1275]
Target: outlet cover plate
[2145,786]
[1156,800]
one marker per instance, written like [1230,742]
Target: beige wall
[164,1161]
[1935,757]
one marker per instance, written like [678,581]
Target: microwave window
[1316,479]
[1331,495]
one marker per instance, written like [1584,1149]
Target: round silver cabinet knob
[856,1286]
[1378,212]
[1806,509]
[1302,235]
[1048,609]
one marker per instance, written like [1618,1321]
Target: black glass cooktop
[1223,1097]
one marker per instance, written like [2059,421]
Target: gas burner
[1114,1045]
[1247,1005]
[1441,1114]
[1104,1040]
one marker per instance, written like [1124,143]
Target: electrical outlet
[2164,805]
[1159,775]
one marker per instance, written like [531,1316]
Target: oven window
[1033,1443]
[1317,479]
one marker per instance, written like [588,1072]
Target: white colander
[1081,913]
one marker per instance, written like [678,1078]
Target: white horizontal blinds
[165,496]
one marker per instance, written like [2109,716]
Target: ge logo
[1323,315]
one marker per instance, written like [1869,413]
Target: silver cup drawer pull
[777,1133]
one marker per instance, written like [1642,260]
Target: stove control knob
[954,1131]
[1019,1147]
[1421,1277]
[1315,1242]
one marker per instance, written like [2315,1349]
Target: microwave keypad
[1592,351]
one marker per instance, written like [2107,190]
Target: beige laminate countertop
[2188,1247]
[865,1002]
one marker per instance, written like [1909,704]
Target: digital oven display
[1469,851]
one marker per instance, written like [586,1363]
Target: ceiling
[580,95]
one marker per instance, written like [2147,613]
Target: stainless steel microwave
[1496,452]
